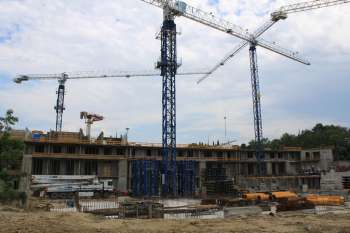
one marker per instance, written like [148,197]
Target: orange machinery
[325,200]
[256,196]
[283,195]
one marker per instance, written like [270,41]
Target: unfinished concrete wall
[327,159]
[26,170]
[123,176]
[292,183]
[316,159]
[332,180]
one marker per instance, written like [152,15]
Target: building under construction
[202,170]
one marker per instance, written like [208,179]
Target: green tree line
[336,137]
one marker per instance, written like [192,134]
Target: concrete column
[45,166]
[202,167]
[123,175]
[289,169]
[63,167]
[269,168]
[76,167]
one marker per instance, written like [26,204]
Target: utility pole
[225,119]
[127,134]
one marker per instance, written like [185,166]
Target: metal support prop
[256,106]
[168,71]
[60,102]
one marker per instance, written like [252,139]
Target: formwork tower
[256,106]
[168,66]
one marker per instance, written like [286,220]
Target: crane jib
[208,19]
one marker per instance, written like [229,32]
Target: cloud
[57,36]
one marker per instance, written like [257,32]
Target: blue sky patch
[6,35]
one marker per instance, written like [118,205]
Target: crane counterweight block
[20,79]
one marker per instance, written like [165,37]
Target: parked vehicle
[67,186]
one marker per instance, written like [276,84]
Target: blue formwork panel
[136,178]
[155,178]
[145,178]
[186,178]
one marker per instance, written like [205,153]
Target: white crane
[180,8]
[276,16]
[90,118]
[63,77]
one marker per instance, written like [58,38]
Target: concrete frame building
[69,153]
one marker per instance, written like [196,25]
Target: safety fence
[87,206]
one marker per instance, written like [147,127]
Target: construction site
[85,181]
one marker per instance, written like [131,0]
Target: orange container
[283,195]
[325,200]
[256,196]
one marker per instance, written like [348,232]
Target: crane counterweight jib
[278,15]
[19,79]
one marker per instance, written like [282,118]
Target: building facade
[209,169]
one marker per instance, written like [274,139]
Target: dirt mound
[39,222]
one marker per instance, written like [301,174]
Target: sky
[44,37]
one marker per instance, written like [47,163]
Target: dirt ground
[12,220]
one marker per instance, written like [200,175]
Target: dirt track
[29,222]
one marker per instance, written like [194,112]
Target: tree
[320,135]
[7,121]
[265,142]
[10,156]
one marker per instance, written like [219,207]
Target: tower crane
[276,16]
[280,14]
[168,66]
[63,77]
[90,118]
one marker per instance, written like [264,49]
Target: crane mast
[168,66]
[60,102]
[256,106]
